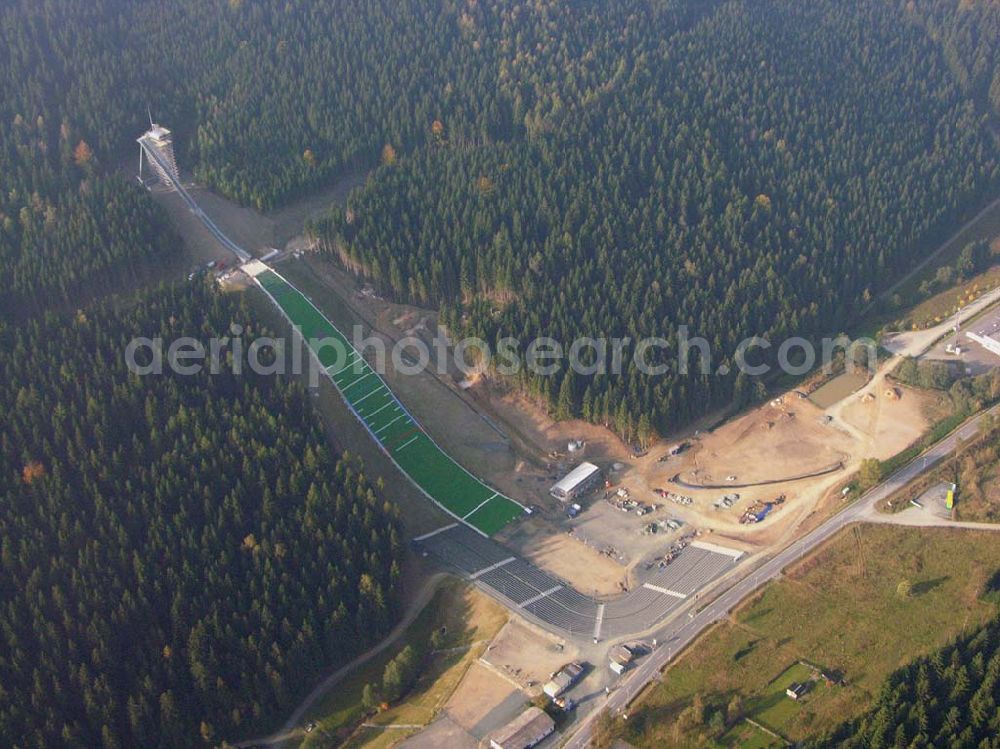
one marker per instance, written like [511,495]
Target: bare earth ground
[480,692]
[496,688]
[568,557]
[442,732]
[528,655]
[773,441]
[514,444]
[889,422]
[255,232]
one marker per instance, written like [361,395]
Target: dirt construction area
[788,456]
[785,438]
[886,416]
[496,688]
[482,694]
[527,655]
[568,556]
[512,443]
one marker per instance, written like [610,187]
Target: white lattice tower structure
[157,146]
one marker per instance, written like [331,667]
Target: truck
[621,658]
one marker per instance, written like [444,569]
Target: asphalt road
[682,631]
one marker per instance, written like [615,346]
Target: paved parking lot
[974,358]
[556,605]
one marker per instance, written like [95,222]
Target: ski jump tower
[156,146]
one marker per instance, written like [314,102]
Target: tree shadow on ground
[926,586]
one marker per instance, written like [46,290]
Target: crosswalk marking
[705,546]
[664,591]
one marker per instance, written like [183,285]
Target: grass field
[774,709]
[443,480]
[746,736]
[840,610]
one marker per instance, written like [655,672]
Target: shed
[582,478]
[526,730]
[563,680]
[796,690]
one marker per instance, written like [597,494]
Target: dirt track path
[292,729]
[941,248]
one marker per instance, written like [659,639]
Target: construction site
[594,545]
[749,482]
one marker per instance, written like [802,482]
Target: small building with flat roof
[563,679]
[581,479]
[797,689]
[526,730]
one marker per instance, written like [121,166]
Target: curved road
[683,630]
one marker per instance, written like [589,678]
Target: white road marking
[408,442]
[540,596]
[376,390]
[390,424]
[434,533]
[664,591]
[379,410]
[346,366]
[492,567]
[704,545]
[362,377]
[598,621]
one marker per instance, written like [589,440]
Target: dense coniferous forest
[180,557]
[969,35]
[727,140]
[175,550]
[65,219]
[949,699]
[764,169]
[267,99]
